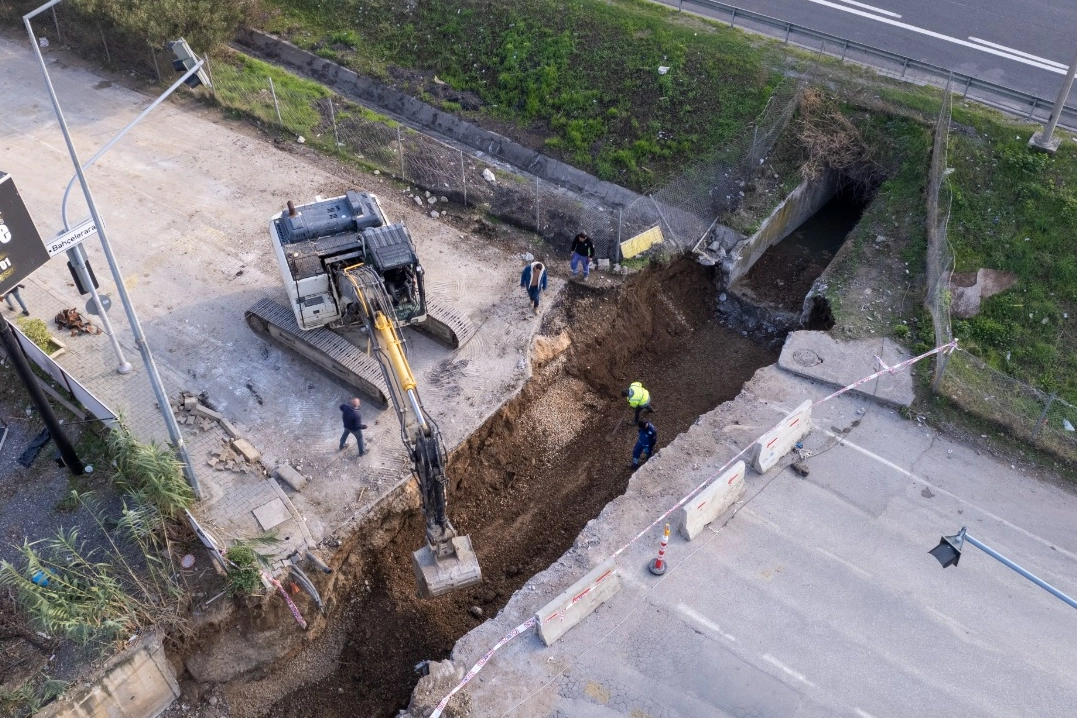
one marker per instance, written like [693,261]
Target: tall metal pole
[132,317]
[1007,562]
[1045,141]
[22,368]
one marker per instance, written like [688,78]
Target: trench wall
[807,199]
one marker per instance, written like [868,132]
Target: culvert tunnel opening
[529,479]
[784,275]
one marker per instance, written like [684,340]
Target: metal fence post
[904,66]
[733,19]
[844,47]
[108,55]
[1043,416]
[400,150]
[538,224]
[1035,104]
[333,119]
[276,105]
[617,247]
[463,176]
[156,67]
[56,19]
[940,371]
[205,63]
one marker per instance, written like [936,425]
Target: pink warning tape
[943,349]
[482,662]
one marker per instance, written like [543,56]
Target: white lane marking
[871,7]
[939,489]
[863,713]
[1011,50]
[702,620]
[939,36]
[951,622]
[799,676]
[852,567]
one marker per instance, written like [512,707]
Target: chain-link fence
[685,208]
[1028,413]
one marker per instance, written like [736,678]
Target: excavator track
[445,324]
[329,351]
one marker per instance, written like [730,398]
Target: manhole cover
[806,357]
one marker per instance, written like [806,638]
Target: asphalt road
[1022,44]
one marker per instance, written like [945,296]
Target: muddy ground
[524,486]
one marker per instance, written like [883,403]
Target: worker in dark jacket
[533,280]
[353,424]
[583,252]
[648,437]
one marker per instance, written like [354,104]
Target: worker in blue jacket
[648,437]
[533,280]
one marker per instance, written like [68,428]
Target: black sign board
[21,248]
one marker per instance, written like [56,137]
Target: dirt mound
[528,480]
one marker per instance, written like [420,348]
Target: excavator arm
[448,561]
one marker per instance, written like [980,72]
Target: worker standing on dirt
[648,437]
[353,424]
[583,252]
[638,399]
[18,298]
[533,280]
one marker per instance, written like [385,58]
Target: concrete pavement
[818,596]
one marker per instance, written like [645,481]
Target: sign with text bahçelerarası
[21,249]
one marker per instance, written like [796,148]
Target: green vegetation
[582,72]
[149,473]
[38,332]
[244,577]
[27,699]
[1016,210]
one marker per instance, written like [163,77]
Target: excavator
[345,267]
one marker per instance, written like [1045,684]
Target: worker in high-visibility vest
[638,399]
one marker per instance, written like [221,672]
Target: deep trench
[525,483]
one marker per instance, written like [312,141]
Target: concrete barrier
[137,683]
[780,440]
[712,501]
[577,602]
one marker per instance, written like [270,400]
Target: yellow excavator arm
[448,561]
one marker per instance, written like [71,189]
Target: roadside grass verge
[583,73]
[1015,210]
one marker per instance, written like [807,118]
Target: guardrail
[1015,102]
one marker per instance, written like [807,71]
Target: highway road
[1022,44]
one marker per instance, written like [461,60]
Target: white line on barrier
[775,662]
[939,36]
[705,622]
[874,9]
[1037,58]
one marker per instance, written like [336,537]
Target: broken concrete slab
[228,428]
[202,410]
[247,450]
[295,480]
[969,289]
[817,355]
[272,514]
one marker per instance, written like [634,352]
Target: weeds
[38,332]
[28,698]
[149,473]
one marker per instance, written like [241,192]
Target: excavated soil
[526,482]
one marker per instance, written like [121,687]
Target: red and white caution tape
[943,349]
[482,662]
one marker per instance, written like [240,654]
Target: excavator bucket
[438,575]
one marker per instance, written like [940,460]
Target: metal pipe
[117,275]
[1060,103]
[1007,562]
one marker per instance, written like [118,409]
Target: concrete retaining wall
[137,683]
[802,203]
[420,115]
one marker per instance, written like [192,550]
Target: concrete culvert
[524,486]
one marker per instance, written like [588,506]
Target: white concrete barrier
[712,501]
[578,601]
[780,440]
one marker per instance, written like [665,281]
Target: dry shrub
[831,142]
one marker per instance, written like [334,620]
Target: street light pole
[1045,141]
[132,317]
[948,552]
